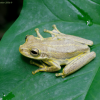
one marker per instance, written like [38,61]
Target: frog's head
[31,48]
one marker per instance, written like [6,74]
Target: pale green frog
[60,49]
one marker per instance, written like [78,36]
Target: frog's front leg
[77,63]
[38,34]
[53,66]
[37,64]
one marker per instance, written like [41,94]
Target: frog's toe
[63,76]
[54,26]
[36,29]
[59,74]
[33,72]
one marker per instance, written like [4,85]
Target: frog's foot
[55,31]
[38,70]
[55,28]
[34,72]
[51,32]
[60,74]
[52,68]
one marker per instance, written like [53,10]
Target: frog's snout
[20,48]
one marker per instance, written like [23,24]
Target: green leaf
[80,18]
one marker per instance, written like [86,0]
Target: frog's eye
[26,37]
[34,52]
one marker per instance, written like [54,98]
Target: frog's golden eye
[34,52]
[26,37]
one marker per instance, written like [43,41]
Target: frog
[59,50]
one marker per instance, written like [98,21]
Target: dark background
[9,12]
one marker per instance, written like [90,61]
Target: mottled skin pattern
[60,49]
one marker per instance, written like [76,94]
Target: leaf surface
[79,18]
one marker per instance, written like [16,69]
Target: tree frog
[60,49]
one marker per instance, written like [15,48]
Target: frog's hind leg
[74,38]
[77,63]
[54,32]
[51,32]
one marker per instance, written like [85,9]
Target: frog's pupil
[34,52]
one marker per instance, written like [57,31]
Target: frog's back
[62,48]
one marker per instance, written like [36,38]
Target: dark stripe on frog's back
[62,48]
